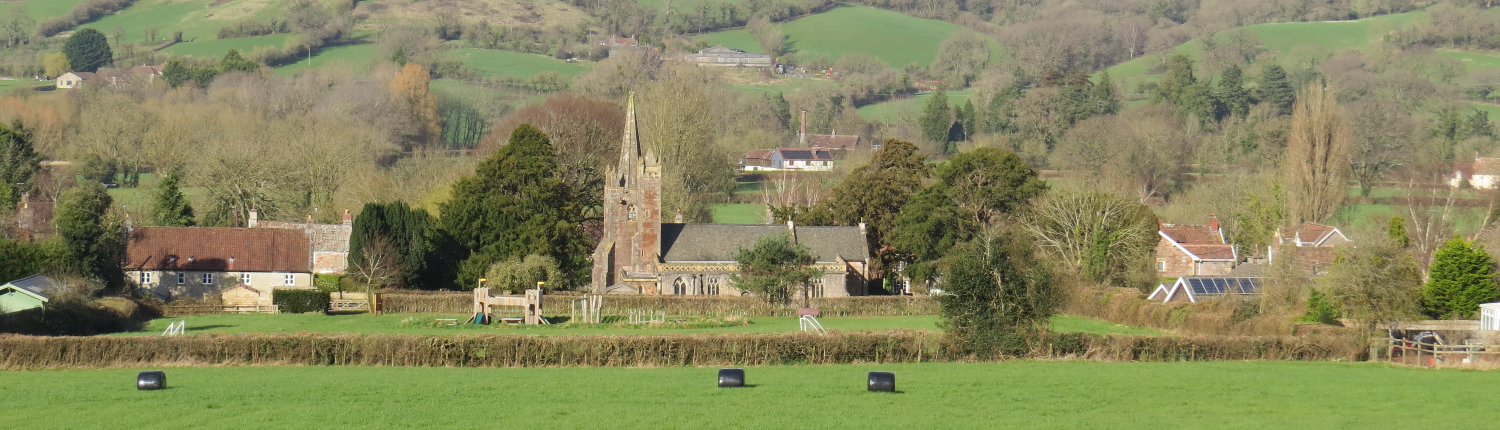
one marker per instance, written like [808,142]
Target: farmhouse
[639,254]
[1193,250]
[330,242]
[30,292]
[1192,289]
[615,44]
[1309,246]
[74,79]
[194,262]
[110,76]
[1483,173]
[801,159]
[721,56]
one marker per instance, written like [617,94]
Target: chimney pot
[254,218]
[348,218]
[1213,222]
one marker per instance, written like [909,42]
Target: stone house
[330,242]
[638,254]
[199,262]
[33,219]
[1193,250]
[110,76]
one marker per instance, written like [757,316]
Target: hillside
[893,37]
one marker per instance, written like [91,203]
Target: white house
[1483,173]
[806,159]
[73,79]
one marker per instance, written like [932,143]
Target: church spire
[630,145]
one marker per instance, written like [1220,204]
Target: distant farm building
[110,76]
[1483,173]
[781,159]
[615,44]
[1193,289]
[721,56]
[330,242]
[1193,250]
[1309,246]
[30,292]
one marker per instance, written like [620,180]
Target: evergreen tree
[1396,231]
[88,50]
[998,115]
[874,194]
[997,295]
[1197,101]
[968,120]
[936,118]
[1276,89]
[234,62]
[175,73]
[1478,124]
[94,242]
[421,250]
[1105,97]
[1461,277]
[1233,94]
[172,207]
[18,163]
[782,109]
[518,204]
[1075,100]
[1179,75]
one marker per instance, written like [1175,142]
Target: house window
[145,278]
[245,278]
[206,279]
[181,278]
[289,279]
[1161,265]
[679,286]
[713,286]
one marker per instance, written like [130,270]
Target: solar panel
[1213,286]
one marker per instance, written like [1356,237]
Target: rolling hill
[893,37]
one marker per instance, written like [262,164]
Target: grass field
[494,63]
[739,213]
[899,110]
[196,18]
[360,57]
[42,10]
[215,48]
[895,38]
[426,324]
[1022,394]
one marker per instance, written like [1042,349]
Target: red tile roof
[1211,252]
[218,249]
[1486,166]
[1192,234]
[1307,232]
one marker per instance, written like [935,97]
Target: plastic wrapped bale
[882,381]
[730,378]
[151,380]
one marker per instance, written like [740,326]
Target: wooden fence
[558,305]
[1423,354]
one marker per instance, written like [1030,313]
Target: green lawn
[893,111]
[42,10]
[215,48]
[360,57]
[739,213]
[196,18]
[1021,394]
[1072,324]
[495,63]
[895,38]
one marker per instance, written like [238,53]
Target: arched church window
[713,285]
[816,287]
[631,212]
[679,286]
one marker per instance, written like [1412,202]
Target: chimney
[861,228]
[254,218]
[802,135]
[678,218]
[348,218]
[1213,222]
[791,229]
[128,226]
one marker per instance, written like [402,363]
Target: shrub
[328,283]
[299,301]
[75,318]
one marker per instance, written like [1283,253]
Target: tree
[378,264]
[960,58]
[1276,90]
[936,118]
[410,232]
[520,274]
[966,120]
[585,134]
[1462,276]
[1380,131]
[94,241]
[1105,97]
[175,73]
[16,28]
[410,94]
[517,204]
[988,182]
[782,108]
[56,64]
[1179,75]
[772,267]
[997,296]
[87,50]
[1107,238]
[1315,169]
[1377,283]
[767,35]
[19,163]
[999,116]
[172,208]
[1232,93]
[233,62]
[150,32]
[929,226]
[1396,231]
[874,194]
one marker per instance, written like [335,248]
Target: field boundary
[558,304]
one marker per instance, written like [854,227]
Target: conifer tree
[936,118]
[172,206]
[968,119]
[998,113]
[18,162]
[1461,277]
[1232,92]
[1276,89]
[1178,76]
[93,240]
[1106,101]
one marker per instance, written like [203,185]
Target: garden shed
[26,293]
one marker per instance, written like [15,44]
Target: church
[639,254]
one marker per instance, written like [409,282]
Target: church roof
[719,242]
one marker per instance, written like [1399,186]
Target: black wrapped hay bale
[151,380]
[882,381]
[731,378]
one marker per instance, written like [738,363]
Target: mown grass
[1022,394]
[895,38]
[42,10]
[896,110]
[739,213]
[494,63]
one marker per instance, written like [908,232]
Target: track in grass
[931,395]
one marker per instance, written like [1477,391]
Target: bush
[328,283]
[299,301]
[76,318]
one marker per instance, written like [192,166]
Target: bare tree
[379,265]
[1316,166]
[768,35]
[1377,283]
[1101,235]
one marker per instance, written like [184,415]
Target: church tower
[631,246]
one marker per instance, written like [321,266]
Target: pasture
[739,213]
[908,109]
[1018,394]
[494,63]
[360,57]
[199,20]
[42,10]
[215,48]
[895,38]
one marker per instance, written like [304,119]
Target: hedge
[899,346]
[557,304]
[299,301]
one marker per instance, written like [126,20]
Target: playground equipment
[176,328]
[590,305]
[531,306]
[810,323]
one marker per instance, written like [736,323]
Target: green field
[494,63]
[739,213]
[215,48]
[42,10]
[196,18]
[895,38]
[360,57]
[427,324]
[1020,394]
[898,110]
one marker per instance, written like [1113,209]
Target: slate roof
[36,284]
[835,141]
[324,237]
[812,154]
[719,242]
[218,249]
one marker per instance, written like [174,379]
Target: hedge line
[460,303]
[30,353]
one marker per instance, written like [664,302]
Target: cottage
[639,254]
[74,79]
[111,76]
[721,56]
[802,159]
[615,44]
[193,262]
[1309,246]
[1193,250]
[1483,173]
[330,242]
[1192,289]
[31,292]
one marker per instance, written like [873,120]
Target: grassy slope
[893,111]
[214,48]
[895,38]
[494,63]
[195,18]
[1023,394]
[42,10]
[360,57]
[739,213]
